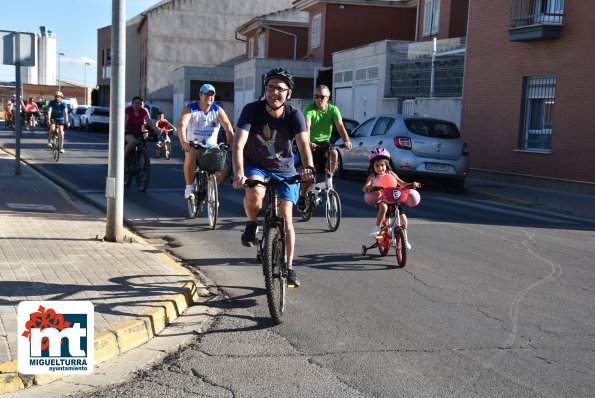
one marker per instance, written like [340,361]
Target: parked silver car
[418,146]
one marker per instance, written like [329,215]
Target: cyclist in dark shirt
[262,147]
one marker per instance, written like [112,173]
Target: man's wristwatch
[311,168]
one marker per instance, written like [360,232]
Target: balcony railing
[532,20]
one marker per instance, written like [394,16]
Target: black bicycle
[56,139]
[204,183]
[270,249]
[326,188]
[138,165]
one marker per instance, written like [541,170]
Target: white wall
[440,108]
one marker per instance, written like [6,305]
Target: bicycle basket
[213,159]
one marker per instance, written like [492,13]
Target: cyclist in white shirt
[201,121]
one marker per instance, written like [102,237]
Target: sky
[75,24]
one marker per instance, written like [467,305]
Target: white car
[95,118]
[419,146]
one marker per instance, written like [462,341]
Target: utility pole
[59,77]
[114,184]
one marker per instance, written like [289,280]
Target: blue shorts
[289,192]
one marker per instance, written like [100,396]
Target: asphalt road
[496,300]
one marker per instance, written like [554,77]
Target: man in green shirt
[320,118]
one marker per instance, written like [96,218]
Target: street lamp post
[86,64]
[59,81]
[86,96]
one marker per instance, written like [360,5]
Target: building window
[261,38]
[540,93]
[315,31]
[431,16]
[528,12]
[251,48]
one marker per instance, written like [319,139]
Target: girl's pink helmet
[378,152]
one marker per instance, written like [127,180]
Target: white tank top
[203,127]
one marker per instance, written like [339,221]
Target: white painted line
[31,207]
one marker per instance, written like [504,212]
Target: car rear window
[433,128]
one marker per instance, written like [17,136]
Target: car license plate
[437,167]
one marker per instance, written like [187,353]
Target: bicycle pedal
[379,237]
[291,285]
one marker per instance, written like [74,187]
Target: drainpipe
[237,38]
[417,21]
[290,34]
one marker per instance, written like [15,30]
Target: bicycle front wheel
[143,170]
[333,210]
[56,146]
[212,200]
[275,276]
[401,247]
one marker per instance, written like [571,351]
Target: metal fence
[427,69]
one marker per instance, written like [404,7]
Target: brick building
[527,102]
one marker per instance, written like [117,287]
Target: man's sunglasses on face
[271,89]
[320,97]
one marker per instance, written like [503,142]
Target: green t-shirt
[321,123]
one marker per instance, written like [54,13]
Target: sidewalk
[556,200]
[51,249]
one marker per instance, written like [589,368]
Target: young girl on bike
[163,125]
[380,174]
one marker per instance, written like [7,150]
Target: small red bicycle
[392,232]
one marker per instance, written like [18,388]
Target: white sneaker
[189,193]
[408,245]
[375,231]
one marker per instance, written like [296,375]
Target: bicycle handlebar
[408,186]
[272,181]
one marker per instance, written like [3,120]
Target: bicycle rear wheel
[56,146]
[129,170]
[193,203]
[275,276]
[212,200]
[401,248]
[333,210]
[167,150]
[311,202]
[143,170]
[384,241]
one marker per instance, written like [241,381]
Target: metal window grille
[531,12]
[540,94]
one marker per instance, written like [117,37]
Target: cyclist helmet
[279,73]
[378,153]
[58,94]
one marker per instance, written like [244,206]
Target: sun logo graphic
[56,337]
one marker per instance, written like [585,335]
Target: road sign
[17,48]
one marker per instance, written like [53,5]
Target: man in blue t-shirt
[262,147]
[57,118]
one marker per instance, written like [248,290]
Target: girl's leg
[382,209]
